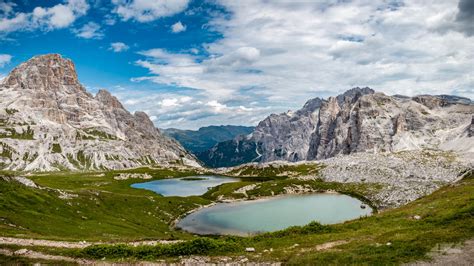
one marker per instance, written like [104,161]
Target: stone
[22,251]
[250,249]
[50,122]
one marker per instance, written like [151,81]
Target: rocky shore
[405,176]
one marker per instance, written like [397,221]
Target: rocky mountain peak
[353,95]
[311,105]
[49,72]
[109,101]
[48,121]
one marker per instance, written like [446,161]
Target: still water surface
[266,215]
[182,187]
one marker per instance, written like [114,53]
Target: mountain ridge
[50,122]
[204,138]
[358,120]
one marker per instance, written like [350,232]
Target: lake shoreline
[174,224]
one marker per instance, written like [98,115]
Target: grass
[447,217]
[56,148]
[100,208]
[10,111]
[109,210]
[278,185]
[12,134]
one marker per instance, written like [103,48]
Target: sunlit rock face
[48,121]
[359,120]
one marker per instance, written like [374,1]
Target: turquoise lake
[182,187]
[266,215]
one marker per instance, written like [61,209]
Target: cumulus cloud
[146,11]
[45,18]
[188,112]
[118,47]
[90,30]
[299,50]
[5,59]
[178,27]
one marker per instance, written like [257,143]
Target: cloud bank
[281,53]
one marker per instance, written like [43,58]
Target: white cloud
[118,47]
[146,11]
[46,18]
[5,59]
[175,110]
[90,30]
[178,27]
[294,51]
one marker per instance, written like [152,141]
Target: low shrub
[199,246]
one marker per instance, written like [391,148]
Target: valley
[98,211]
[361,177]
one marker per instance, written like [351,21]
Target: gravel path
[458,255]
[66,244]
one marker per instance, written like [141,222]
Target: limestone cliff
[359,120]
[48,121]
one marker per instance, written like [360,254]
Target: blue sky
[195,63]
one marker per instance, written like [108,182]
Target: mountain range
[48,122]
[204,138]
[359,120]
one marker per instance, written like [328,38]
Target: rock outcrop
[359,120]
[48,121]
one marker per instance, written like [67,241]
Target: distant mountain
[358,120]
[205,138]
[48,122]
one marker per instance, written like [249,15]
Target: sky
[190,63]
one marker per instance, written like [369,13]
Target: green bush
[199,246]
[311,228]
[56,148]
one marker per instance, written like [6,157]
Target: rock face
[359,120]
[284,136]
[48,122]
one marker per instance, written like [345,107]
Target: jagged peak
[106,98]
[51,61]
[311,105]
[353,94]
[44,72]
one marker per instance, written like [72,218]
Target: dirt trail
[460,254]
[41,256]
[80,244]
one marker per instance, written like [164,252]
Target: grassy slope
[447,216]
[104,209]
[119,212]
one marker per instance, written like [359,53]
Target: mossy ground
[115,212]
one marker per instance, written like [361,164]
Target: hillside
[49,122]
[427,227]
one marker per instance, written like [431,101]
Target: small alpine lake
[273,214]
[185,186]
